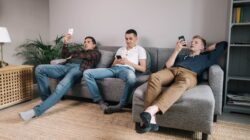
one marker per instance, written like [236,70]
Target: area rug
[78,120]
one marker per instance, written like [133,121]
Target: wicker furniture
[16,85]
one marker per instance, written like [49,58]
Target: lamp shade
[4,35]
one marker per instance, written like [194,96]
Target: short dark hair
[92,38]
[202,40]
[131,31]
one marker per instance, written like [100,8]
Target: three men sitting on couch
[180,73]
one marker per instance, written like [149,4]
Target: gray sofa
[195,111]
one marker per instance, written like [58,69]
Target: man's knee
[87,74]
[131,78]
[39,69]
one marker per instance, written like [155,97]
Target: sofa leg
[204,136]
[215,118]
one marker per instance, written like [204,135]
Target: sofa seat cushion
[110,88]
[197,104]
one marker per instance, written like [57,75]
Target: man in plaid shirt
[77,62]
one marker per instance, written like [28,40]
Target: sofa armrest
[215,80]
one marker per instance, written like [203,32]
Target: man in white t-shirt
[128,59]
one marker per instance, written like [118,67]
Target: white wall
[24,19]
[158,22]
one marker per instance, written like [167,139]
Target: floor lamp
[4,38]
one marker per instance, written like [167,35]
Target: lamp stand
[2,63]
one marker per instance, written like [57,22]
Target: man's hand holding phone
[118,57]
[180,44]
[120,60]
[68,36]
[71,31]
[182,41]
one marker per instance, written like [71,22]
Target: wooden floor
[72,120]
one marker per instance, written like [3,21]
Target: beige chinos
[177,78]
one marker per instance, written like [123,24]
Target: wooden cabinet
[16,85]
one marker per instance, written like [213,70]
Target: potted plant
[36,52]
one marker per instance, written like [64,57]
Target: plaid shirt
[90,57]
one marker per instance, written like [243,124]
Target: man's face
[196,45]
[88,44]
[131,40]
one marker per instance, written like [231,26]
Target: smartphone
[118,57]
[71,31]
[182,40]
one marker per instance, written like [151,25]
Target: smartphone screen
[118,57]
[71,31]
[182,40]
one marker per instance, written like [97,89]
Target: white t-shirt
[133,55]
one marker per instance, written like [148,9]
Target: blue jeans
[124,73]
[67,73]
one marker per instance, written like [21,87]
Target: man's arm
[173,57]
[216,50]
[141,67]
[210,48]
[87,55]
[65,51]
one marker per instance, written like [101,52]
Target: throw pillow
[106,59]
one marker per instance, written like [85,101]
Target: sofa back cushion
[106,59]
[164,54]
[152,53]
[148,63]
[148,66]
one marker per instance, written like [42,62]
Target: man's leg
[42,72]
[129,78]
[62,88]
[90,76]
[155,83]
[184,81]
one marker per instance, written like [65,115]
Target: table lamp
[4,38]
